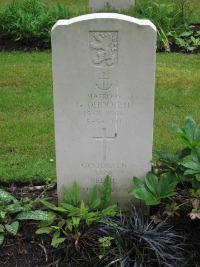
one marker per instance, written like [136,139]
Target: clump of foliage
[73,215]
[99,234]
[12,211]
[29,22]
[181,169]
[169,18]
[130,239]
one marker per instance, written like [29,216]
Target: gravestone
[99,5]
[103,78]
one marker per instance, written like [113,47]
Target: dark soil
[175,48]
[7,44]
[28,249]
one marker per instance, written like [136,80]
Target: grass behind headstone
[27,150]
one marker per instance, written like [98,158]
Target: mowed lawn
[27,149]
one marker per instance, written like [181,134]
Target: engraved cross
[104,139]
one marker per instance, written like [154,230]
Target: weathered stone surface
[98,5]
[103,76]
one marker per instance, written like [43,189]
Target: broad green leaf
[176,128]
[48,204]
[190,127]
[138,182]
[197,134]
[83,209]
[166,186]
[145,195]
[56,234]
[71,209]
[186,34]
[13,208]
[191,172]
[67,196]
[93,197]
[198,177]
[151,181]
[76,221]
[33,215]
[106,192]
[95,204]
[1,228]
[1,239]
[179,155]
[61,223]
[61,209]
[6,197]
[45,223]
[44,230]
[191,165]
[12,228]
[69,224]
[164,156]
[195,153]
[2,214]
[110,211]
[75,194]
[91,217]
[56,240]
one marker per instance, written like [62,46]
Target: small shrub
[29,22]
[69,220]
[12,211]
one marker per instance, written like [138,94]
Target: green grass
[26,116]
[177,96]
[26,109]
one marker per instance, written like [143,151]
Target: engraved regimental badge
[103,48]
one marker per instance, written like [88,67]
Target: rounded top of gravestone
[96,16]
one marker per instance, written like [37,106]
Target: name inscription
[104,108]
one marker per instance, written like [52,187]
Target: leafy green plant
[68,218]
[30,21]
[184,166]
[168,18]
[152,189]
[171,209]
[189,133]
[13,210]
[188,40]
[193,167]
[171,163]
[185,163]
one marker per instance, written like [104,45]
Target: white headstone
[99,5]
[103,76]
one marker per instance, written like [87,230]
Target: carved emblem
[103,48]
[104,82]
